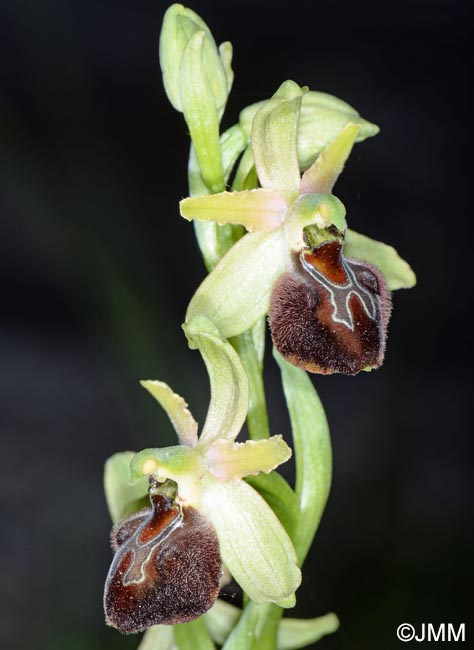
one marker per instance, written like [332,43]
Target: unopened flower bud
[180,24]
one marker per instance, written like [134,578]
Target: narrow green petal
[229,460]
[323,173]
[164,462]
[201,113]
[177,410]
[192,636]
[295,633]
[158,637]
[221,619]
[254,545]
[255,209]
[397,272]
[313,456]
[122,498]
[237,292]
[274,132]
[229,384]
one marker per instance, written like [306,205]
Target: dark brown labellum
[330,313]
[166,567]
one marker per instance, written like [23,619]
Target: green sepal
[273,140]
[294,633]
[322,117]
[260,556]
[214,241]
[237,292]
[279,496]
[229,385]
[397,272]
[193,635]
[312,447]
[201,112]
[158,637]
[122,498]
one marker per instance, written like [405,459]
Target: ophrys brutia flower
[209,511]
[326,287]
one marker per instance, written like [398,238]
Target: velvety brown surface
[306,314]
[161,574]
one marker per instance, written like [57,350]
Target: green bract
[209,470]
[237,292]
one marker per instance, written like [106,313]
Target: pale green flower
[237,292]
[209,470]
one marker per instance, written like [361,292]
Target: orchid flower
[209,471]
[290,221]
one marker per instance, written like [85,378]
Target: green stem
[257,417]
[189,636]
[268,638]
[313,456]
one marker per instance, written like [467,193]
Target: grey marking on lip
[141,553]
[340,294]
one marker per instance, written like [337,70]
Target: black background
[98,267]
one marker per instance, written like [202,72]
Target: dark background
[98,267]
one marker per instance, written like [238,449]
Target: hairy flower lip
[166,566]
[330,313]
